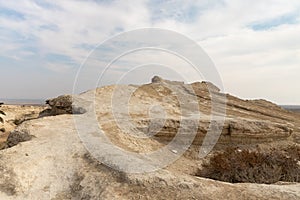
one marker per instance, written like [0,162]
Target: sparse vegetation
[1,113]
[237,166]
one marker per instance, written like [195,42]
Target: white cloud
[76,22]
[253,63]
[250,61]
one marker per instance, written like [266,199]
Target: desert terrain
[48,153]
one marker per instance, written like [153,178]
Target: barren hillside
[63,158]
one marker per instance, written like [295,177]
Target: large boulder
[17,136]
[61,105]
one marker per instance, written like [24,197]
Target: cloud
[254,63]
[59,27]
[250,42]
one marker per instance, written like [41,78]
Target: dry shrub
[237,166]
[1,113]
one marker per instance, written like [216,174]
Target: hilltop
[54,163]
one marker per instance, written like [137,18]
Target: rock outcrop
[15,115]
[59,162]
[234,131]
[17,136]
[61,105]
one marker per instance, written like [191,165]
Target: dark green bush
[237,166]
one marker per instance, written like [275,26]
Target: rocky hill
[75,149]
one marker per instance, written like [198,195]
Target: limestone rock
[57,166]
[15,115]
[55,163]
[17,136]
[156,79]
[61,105]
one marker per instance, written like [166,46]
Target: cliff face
[55,163]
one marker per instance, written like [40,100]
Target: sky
[254,44]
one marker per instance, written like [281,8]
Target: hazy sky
[255,45]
